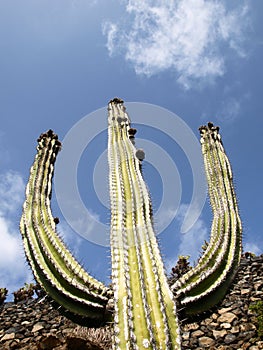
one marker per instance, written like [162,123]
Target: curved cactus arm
[56,270]
[206,284]
[145,312]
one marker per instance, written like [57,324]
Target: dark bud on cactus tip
[140,154]
[132,131]
[58,143]
[116,100]
[202,129]
[56,220]
[50,133]
[41,137]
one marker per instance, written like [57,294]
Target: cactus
[140,303]
[143,301]
[206,284]
[56,270]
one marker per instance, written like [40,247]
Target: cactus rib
[211,277]
[53,265]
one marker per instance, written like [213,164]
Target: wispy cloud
[12,190]
[231,102]
[191,242]
[111,30]
[14,271]
[229,110]
[191,37]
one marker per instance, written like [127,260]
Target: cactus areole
[140,304]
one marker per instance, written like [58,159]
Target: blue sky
[62,60]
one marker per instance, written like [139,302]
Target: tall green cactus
[53,266]
[144,307]
[142,298]
[206,284]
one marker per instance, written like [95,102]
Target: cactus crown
[140,303]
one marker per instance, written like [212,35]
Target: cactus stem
[215,270]
[144,304]
[53,265]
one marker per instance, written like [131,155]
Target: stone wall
[231,325]
[35,325]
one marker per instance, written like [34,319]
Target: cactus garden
[140,304]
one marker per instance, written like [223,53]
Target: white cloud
[229,111]
[111,30]
[12,190]
[191,37]
[14,271]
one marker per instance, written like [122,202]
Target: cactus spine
[144,314]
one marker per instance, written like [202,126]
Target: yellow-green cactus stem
[56,270]
[203,286]
[145,311]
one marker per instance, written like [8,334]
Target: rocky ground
[36,325]
[232,325]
